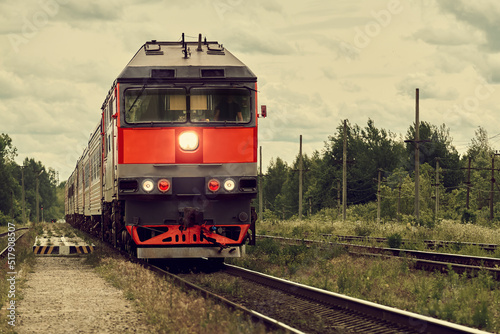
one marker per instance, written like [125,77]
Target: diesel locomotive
[171,168]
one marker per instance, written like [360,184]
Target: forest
[465,185]
[14,178]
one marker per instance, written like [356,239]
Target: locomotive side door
[109,163]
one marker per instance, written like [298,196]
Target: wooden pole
[399,200]
[378,196]
[300,179]
[344,174]
[492,185]
[468,184]
[437,187]
[37,220]
[417,158]
[260,186]
[23,195]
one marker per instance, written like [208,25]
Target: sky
[318,63]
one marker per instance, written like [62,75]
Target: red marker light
[163,185]
[213,185]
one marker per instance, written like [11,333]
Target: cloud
[482,15]
[428,87]
[251,43]
[445,36]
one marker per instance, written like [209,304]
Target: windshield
[159,105]
[148,105]
[220,105]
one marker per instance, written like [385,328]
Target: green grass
[468,301]
[25,260]
[167,307]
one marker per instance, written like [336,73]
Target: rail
[423,260]
[406,321]
[433,244]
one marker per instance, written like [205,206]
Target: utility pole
[37,220]
[344,174]
[417,158]
[399,199]
[23,194]
[417,142]
[260,185]
[378,196]
[437,187]
[492,183]
[339,204]
[468,183]
[12,204]
[37,174]
[300,179]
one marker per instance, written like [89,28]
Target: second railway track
[423,260]
[314,310]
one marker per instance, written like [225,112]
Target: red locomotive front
[179,153]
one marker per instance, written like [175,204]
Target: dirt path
[65,296]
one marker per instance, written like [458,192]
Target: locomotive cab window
[220,105]
[149,105]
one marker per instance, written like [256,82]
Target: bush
[427,219]
[4,220]
[394,240]
[362,230]
[468,217]
[365,212]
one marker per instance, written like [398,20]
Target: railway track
[269,322]
[423,260]
[313,310]
[19,229]
[18,236]
[335,313]
[431,244]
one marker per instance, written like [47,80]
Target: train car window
[155,105]
[220,105]
[110,109]
[86,172]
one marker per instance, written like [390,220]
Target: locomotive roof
[189,60]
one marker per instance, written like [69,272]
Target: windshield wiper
[137,98]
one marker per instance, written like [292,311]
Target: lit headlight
[229,184]
[148,185]
[188,141]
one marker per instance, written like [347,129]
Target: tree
[438,146]
[480,153]
[8,185]
[274,179]
[290,189]
[368,150]
[47,183]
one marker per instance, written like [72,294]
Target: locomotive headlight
[148,185]
[229,184]
[188,141]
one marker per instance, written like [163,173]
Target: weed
[394,240]
[362,230]
[170,310]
